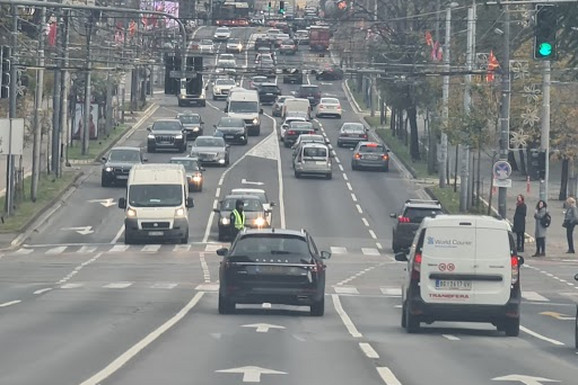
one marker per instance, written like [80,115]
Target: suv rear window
[271,247]
[416,215]
[269,89]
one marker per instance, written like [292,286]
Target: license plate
[370,157]
[446,284]
[229,136]
[156,233]
[269,94]
[122,177]
[273,269]
[320,162]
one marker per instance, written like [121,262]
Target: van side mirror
[214,125]
[261,111]
[190,202]
[401,256]
[145,159]
[272,204]
[103,159]
[149,128]
[576,277]
[226,109]
[393,215]
[222,251]
[122,203]
[521,261]
[325,255]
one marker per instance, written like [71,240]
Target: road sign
[507,183]
[502,170]
[11,136]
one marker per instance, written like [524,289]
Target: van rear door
[493,266]
[448,265]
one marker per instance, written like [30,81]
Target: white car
[234,45]
[283,128]
[206,46]
[462,268]
[226,66]
[328,107]
[222,34]
[227,56]
[222,87]
[272,33]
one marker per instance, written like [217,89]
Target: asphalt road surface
[77,306]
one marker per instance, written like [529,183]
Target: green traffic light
[545,49]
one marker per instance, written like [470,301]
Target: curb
[42,216]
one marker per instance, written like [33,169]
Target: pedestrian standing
[541,228]
[570,220]
[520,222]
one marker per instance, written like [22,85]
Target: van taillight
[515,268]
[291,132]
[402,219]
[416,267]
[357,156]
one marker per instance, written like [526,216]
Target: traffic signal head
[282,7]
[546,26]
[5,60]
[269,6]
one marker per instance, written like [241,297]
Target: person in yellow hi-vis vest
[237,219]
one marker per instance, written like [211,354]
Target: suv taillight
[357,156]
[515,269]
[402,219]
[384,157]
[291,132]
[416,267]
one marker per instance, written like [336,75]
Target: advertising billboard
[151,22]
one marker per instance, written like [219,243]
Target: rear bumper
[370,164]
[278,295]
[345,141]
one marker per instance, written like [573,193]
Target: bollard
[527,185]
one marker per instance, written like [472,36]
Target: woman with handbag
[519,227]
[570,220]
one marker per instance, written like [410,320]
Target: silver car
[210,150]
[351,133]
[313,159]
[370,155]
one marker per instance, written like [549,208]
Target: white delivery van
[156,204]
[245,105]
[297,104]
[462,268]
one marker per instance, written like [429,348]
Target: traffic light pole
[505,110]
[9,201]
[545,129]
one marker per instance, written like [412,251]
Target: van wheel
[403,316]
[512,327]
[411,322]
[185,239]
[318,308]
[329,176]
[226,306]
[297,174]
[128,240]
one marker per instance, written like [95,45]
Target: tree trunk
[564,180]
[512,161]
[400,123]
[456,164]
[392,121]
[414,135]
[405,130]
[523,168]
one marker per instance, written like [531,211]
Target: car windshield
[264,247]
[309,91]
[166,126]
[241,106]
[190,119]
[269,88]
[259,194]
[124,156]
[225,82]
[149,195]
[249,204]
[209,142]
[230,122]
[288,42]
[259,79]
[311,138]
[378,149]
[226,63]
[314,152]
[352,128]
[329,101]
[222,30]
[301,125]
[234,41]
[206,42]
[189,164]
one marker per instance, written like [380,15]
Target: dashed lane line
[450,337]
[6,304]
[372,234]
[69,276]
[365,222]
[345,176]
[354,197]
[349,186]
[368,350]
[541,337]
[387,376]
[359,209]
[349,325]
[42,291]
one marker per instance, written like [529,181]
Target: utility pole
[37,141]
[85,133]
[465,166]
[505,110]
[442,171]
[65,90]
[545,129]
[9,201]
[56,104]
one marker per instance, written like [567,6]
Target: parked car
[268,92]
[166,134]
[233,130]
[210,150]
[351,133]
[286,267]
[117,164]
[193,170]
[193,124]
[408,220]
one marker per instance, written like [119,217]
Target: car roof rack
[423,201]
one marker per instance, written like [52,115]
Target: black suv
[408,221]
[268,92]
[272,265]
[116,166]
[311,92]
[167,134]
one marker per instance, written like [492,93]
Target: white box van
[462,268]
[156,204]
[297,104]
[245,105]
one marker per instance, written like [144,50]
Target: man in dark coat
[520,222]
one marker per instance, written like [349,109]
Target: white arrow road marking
[250,373]
[528,380]
[245,181]
[109,202]
[82,230]
[263,328]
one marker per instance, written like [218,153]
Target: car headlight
[108,169]
[180,212]
[179,136]
[131,213]
[150,136]
[195,129]
[259,222]
[225,221]
[197,178]
[255,121]
[240,46]
[217,90]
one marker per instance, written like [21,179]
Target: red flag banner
[493,65]
[52,34]
[428,39]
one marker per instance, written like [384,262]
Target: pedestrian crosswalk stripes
[55,250]
[345,290]
[118,285]
[533,296]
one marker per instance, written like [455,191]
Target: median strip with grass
[98,146]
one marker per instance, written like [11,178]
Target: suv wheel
[512,327]
[150,149]
[403,316]
[411,322]
[128,240]
[318,308]
[226,306]
[104,182]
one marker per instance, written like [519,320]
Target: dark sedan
[193,170]
[275,265]
[268,92]
[351,133]
[295,130]
[116,166]
[233,130]
[255,214]
[330,73]
[193,124]
[311,92]
[370,155]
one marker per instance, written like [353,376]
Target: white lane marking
[379,246]
[24,251]
[368,350]
[86,250]
[341,167]
[349,186]
[71,285]
[359,209]
[164,285]
[344,317]
[42,291]
[353,197]
[338,250]
[369,251]
[78,268]
[118,235]
[541,337]
[339,163]
[266,305]
[345,290]
[372,234]
[218,192]
[151,248]
[387,376]
[6,304]
[118,285]
[450,337]
[182,248]
[205,267]
[142,344]
[212,247]
[365,222]
[55,250]
[345,176]
[207,287]
[533,296]
[118,248]
[391,291]
[279,176]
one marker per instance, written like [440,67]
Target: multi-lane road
[77,306]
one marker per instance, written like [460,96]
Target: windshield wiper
[279,252]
